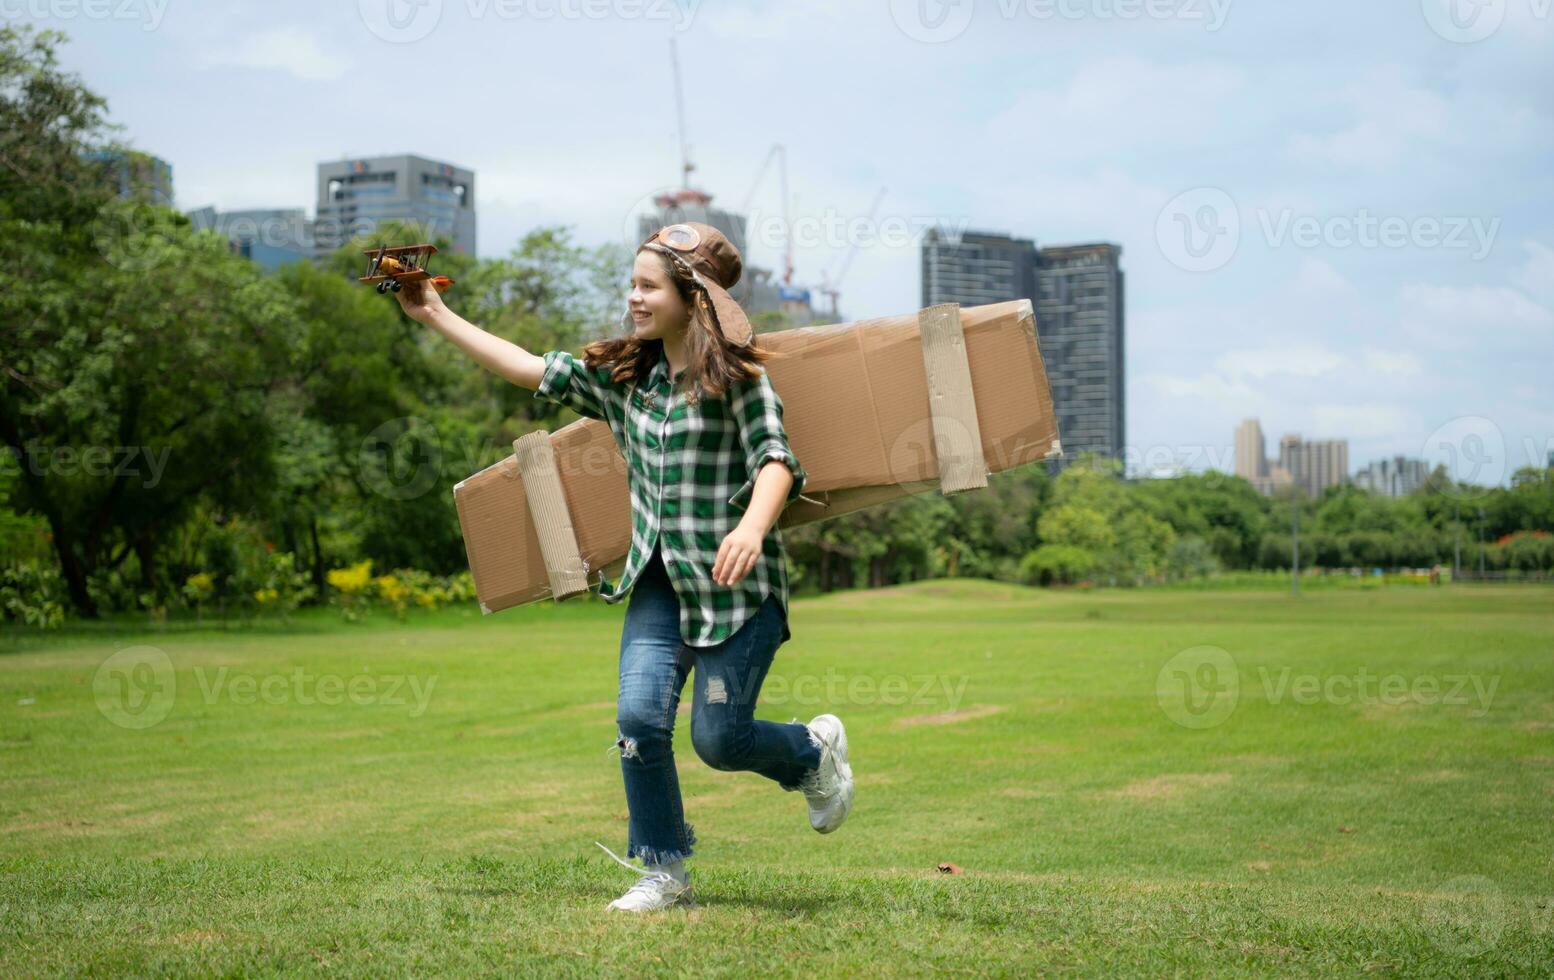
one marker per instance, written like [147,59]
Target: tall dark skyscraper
[1077,292]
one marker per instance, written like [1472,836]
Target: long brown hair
[713,365]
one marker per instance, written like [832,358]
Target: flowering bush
[350,586]
[356,589]
[33,594]
[283,587]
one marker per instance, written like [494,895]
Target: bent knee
[642,719]
[720,748]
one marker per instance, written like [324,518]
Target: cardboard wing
[875,410]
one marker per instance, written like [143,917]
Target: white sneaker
[829,788]
[654,890]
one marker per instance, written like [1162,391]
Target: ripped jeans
[654,664]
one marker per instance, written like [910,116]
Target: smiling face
[657,309]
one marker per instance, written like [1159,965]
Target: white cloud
[1392,363]
[799,21]
[1536,275]
[1206,387]
[1456,318]
[286,49]
[1318,276]
[1367,420]
[1388,117]
[1303,362]
[1115,103]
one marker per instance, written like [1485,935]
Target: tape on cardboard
[957,438]
[552,518]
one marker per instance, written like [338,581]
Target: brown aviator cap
[715,266]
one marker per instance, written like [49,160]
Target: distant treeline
[183,429]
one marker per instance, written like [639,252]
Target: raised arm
[501,357]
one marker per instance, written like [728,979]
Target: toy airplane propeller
[391,268]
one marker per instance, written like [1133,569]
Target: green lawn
[1133,781]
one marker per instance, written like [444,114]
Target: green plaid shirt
[691,469]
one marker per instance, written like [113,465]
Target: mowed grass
[1114,810]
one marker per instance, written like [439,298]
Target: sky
[1337,217]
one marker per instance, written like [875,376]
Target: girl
[710,470]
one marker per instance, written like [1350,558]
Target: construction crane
[832,287]
[686,166]
[779,153]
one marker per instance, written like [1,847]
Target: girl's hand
[420,301]
[736,556]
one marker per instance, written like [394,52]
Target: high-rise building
[1077,292]
[1079,316]
[138,176]
[1395,477]
[978,268]
[1251,451]
[1316,465]
[355,196]
[271,237]
[1252,461]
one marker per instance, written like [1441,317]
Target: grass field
[1133,782]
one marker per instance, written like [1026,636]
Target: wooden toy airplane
[391,268]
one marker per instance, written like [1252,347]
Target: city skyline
[1071,129]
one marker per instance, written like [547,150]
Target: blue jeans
[653,667]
